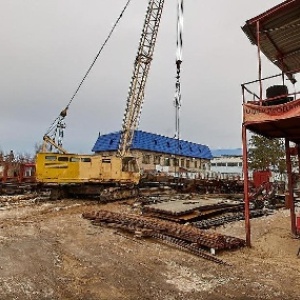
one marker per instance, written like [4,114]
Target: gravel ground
[48,251]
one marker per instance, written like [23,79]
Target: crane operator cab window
[129,164]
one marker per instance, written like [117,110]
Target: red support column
[246,187]
[259,61]
[290,186]
[5,171]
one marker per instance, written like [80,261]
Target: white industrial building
[227,164]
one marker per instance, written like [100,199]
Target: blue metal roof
[153,142]
[227,152]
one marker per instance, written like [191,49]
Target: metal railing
[247,92]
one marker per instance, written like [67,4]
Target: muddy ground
[48,251]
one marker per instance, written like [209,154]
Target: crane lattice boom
[141,69]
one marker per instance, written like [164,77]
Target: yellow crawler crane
[94,175]
[110,177]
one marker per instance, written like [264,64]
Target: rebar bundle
[187,233]
[182,245]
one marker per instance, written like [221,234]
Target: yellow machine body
[55,168]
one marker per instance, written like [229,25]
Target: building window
[213,164]
[196,164]
[221,164]
[157,160]
[240,164]
[146,159]
[175,162]
[187,163]
[182,163]
[231,164]
[167,161]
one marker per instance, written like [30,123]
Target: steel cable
[90,68]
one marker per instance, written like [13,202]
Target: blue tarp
[153,142]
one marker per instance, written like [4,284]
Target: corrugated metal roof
[280,42]
[279,35]
[155,143]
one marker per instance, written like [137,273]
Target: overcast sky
[48,45]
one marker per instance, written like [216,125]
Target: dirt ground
[48,251]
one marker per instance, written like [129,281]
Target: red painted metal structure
[16,176]
[276,33]
[261,177]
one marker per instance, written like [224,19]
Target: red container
[260,177]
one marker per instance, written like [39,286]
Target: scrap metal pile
[17,174]
[186,237]
[184,207]
[202,212]
[188,185]
[226,218]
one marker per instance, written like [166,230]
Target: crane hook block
[63,113]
